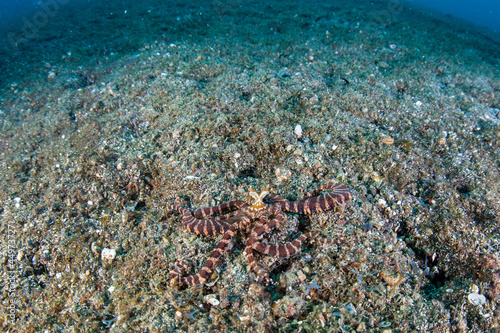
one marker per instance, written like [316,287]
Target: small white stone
[476,299]
[298,131]
[178,315]
[51,76]
[212,300]
[418,103]
[108,254]
[111,289]
[237,155]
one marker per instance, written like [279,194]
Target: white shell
[476,299]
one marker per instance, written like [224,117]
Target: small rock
[476,299]
[298,131]
[20,255]
[212,300]
[178,315]
[302,277]
[387,140]
[108,254]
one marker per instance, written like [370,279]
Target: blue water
[484,13]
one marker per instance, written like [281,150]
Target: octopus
[254,218]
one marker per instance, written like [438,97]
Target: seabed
[112,111]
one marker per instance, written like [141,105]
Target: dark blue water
[484,13]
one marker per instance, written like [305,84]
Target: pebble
[298,131]
[476,299]
[20,255]
[212,299]
[387,140]
[108,254]
[178,315]
[301,276]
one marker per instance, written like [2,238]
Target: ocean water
[485,13]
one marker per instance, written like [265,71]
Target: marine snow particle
[298,131]
[108,254]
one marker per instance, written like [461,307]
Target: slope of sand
[110,112]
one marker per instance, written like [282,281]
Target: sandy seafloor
[111,111]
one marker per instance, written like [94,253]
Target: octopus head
[256,199]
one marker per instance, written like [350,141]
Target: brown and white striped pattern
[339,195]
[232,216]
[212,262]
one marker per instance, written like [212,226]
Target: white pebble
[298,131]
[108,254]
[212,300]
[476,299]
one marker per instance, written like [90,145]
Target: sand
[112,111]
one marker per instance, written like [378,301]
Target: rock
[108,254]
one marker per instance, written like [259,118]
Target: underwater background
[111,111]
